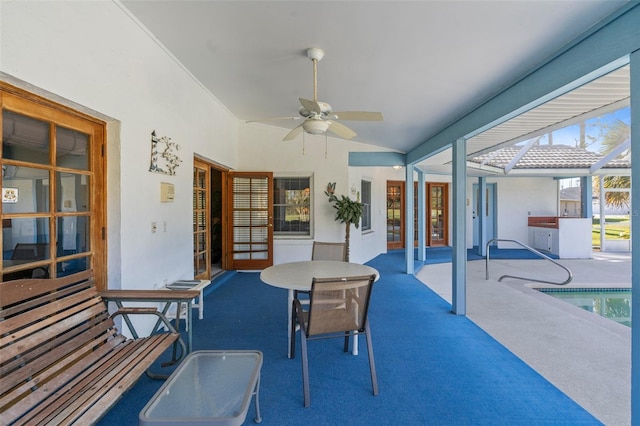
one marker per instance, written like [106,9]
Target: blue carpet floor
[434,367]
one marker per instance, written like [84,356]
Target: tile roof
[548,157]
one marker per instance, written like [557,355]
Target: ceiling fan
[318,116]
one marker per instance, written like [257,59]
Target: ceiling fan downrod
[315,54]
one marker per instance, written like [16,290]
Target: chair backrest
[339,304]
[30,251]
[329,251]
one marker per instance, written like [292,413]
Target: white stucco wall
[97,56]
[517,198]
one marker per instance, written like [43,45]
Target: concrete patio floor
[584,355]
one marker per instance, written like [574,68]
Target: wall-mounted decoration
[163,155]
[167,192]
[10,195]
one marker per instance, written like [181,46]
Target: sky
[571,135]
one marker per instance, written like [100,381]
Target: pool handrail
[532,250]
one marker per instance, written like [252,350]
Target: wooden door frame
[23,102]
[394,245]
[429,207]
[224,264]
[248,264]
[204,166]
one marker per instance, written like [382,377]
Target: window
[292,206]
[366,202]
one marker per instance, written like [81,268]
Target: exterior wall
[517,198]
[97,56]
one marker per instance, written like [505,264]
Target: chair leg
[292,335]
[305,369]
[372,364]
[346,341]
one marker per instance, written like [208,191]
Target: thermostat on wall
[167,192]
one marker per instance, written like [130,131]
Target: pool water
[611,303]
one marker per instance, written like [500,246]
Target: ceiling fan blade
[357,115]
[341,130]
[292,134]
[274,119]
[310,105]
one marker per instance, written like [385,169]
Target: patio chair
[329,251]
[338,307]
[325,251]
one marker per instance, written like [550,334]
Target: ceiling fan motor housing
[325,110]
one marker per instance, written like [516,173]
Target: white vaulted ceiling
[423,64]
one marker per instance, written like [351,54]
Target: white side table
[199,285]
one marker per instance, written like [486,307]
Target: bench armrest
[145,311]
[153,311]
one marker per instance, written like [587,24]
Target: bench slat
[29,364]
[18,291]
[58,380]
[36,334]
[132,362]
[44,315]
[99,408]
[69,403]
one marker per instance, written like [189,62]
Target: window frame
[366,205]
[22,102]
[288,234]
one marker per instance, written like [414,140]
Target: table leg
[189,326]
[258,418]
[201,304]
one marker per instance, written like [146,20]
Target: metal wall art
[163,155]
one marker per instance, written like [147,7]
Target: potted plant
[348,211]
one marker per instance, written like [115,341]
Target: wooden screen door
[395,215]
[438,214]
[250,223]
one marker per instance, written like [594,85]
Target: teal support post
[586,196]
[422,222]
[635,239]
[481,214]
[459,267]
[408,212]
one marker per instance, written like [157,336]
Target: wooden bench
[61,359]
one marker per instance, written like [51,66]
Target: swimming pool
[611,303]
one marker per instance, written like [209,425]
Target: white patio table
[298,276]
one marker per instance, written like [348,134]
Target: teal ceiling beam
[598,52]
[373,159]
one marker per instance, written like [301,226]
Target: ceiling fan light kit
[318,116]
[315,127]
